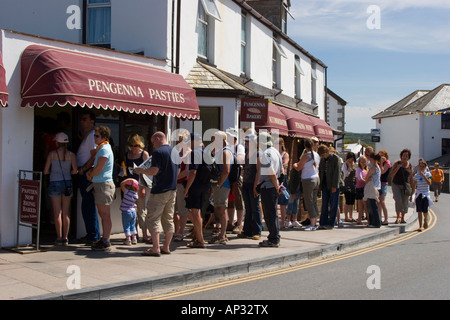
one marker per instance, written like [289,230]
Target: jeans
[88,209]
[292,208]
[372,210]
[129,222]
[330,203]
[269,201]
[252,219]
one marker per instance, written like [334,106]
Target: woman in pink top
[361,173]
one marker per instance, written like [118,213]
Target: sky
[377,52]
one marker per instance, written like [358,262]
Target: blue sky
[372,69]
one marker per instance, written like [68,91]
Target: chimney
[275,11]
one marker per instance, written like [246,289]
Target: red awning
[322,129]
[52,76]
[276,120]
[298,123]
[3,88]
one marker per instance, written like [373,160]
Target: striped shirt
[128,201]
[422,186]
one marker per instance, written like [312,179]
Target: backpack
[208,173]
[235,170]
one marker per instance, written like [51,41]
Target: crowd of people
[211,185]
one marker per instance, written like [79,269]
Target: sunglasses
[97,136]
[134,145]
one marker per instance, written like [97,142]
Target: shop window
[98,23]
[211,119]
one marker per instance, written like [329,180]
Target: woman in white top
[373,175]
[309,165]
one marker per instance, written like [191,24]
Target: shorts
[104,192]
[422,204]
[350,198]
[57,188]
[220,196]
[238,201]
[359,194]
[160,210]
[384,188]
[196,198]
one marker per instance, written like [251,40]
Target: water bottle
[285,192]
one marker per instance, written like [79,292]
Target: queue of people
[183,187]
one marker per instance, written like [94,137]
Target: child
[421,186]
[129,188]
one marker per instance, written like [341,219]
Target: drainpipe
[177,66]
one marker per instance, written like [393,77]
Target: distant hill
[365,138]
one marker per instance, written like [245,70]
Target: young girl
[361,173]
[58,165]
[373,175]
[421,186]
[129,188]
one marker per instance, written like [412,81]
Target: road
[415,265]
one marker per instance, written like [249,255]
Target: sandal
[217,240]
[196,244]
[150,253]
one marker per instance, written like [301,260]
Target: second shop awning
[298,123]
[3,87]
[53,76]
[276,120]
[322,129]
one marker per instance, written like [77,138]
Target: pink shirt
[360,174]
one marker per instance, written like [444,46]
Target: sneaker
[268,244]
[134,240]
[127,242]
[310,228]
[296,224]
[287,224]
[100,245]
[256,237]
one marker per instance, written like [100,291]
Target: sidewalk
[123,271]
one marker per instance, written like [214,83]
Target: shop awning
[3,88]
[276,120]
[322,129]
[298,123]
[53,76]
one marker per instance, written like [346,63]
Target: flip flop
[164,252]
[150,253]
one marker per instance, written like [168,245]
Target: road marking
[406,236]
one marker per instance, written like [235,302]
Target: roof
[419,101]
[203,76]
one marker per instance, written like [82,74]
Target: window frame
[89,6]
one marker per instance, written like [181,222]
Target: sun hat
[132,182]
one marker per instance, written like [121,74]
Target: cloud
[405,26]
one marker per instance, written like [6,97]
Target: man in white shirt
[85,160]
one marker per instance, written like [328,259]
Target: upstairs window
[298,77]
[206,16]
[313,84]
[99,23]
[244,44]
[445,121]
[277,53]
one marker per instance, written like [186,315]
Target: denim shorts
[57,188]
[384,188]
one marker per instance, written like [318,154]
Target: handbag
[68,191]
[407,190]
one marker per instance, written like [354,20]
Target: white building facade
[419,122]
[225,49]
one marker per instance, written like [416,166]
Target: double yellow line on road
[401,238]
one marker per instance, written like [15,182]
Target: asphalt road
[414,266]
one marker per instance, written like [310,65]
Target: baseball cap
[61,137]
[132,182]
